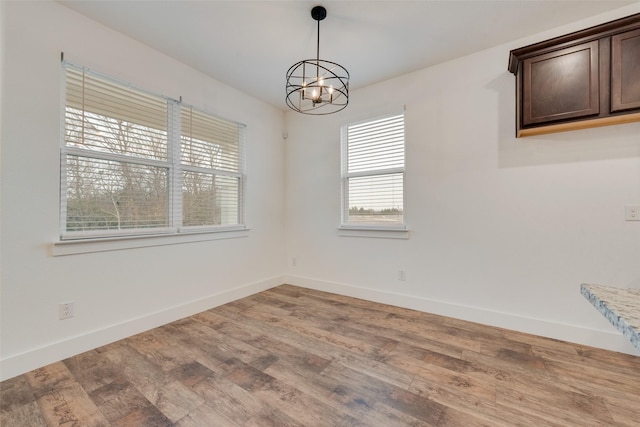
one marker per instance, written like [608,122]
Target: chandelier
[316,86]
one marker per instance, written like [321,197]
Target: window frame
[239,175]
[371,229]
[174,171]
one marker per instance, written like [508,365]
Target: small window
[373,168]
[135,163]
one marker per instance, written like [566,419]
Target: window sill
[83,246]
[373,232]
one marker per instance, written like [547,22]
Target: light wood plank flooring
[298,357]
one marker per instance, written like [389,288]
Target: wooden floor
[297,357]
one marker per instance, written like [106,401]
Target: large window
[138,163]
[373,168]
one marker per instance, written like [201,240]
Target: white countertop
[621,306]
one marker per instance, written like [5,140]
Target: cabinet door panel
[625,71]
[561,85]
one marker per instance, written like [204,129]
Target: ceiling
[250,44]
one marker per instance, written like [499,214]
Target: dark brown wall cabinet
[584,79]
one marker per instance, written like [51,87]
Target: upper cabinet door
[625,71]
[562,84]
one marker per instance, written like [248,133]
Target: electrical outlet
[402,275]
[294,262]
[65,310]
[632,213]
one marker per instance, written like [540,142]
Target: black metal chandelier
[316,86]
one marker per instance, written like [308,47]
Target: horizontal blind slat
[208,141]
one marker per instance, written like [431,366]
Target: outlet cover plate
[65,310]
[632,213]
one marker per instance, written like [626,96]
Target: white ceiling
[250,44]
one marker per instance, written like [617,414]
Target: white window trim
[84,246]
[69,243]
[345,229]
[370,232]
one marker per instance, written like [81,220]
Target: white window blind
[211,161]
[135,163]
[373,168]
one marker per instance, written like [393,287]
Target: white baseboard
[24,362]
[608,340]
[20,363]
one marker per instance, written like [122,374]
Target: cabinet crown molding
[516,56]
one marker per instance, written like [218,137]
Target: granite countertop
[620,306]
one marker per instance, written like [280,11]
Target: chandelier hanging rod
[318,13]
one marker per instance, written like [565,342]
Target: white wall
[503,230]
[116,293]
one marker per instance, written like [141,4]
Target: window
[373,168]
[137,163]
